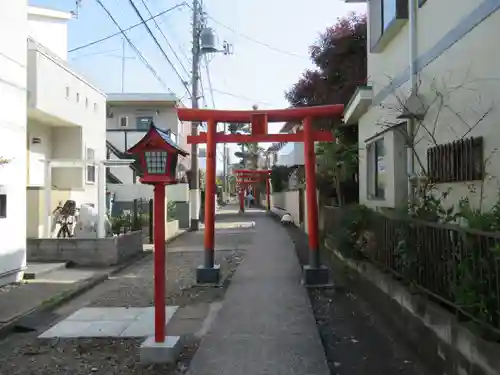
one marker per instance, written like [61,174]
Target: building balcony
[57,96]
[358,105]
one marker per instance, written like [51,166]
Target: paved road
[266,324]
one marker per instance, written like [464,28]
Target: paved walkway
[266,324]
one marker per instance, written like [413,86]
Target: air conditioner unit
[124,122]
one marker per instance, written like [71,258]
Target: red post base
[159,261]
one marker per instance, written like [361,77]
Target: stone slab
[152,352]
[108,322]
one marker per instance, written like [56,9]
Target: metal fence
[459,267]
[138,216]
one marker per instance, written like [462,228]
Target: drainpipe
[412,17]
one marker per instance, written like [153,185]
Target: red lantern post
[157,155]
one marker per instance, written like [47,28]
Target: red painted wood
[209,239]
[321,136]
[159,261]
[274,115]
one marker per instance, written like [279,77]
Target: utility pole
[195,188]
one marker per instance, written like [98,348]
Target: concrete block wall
[171,229]
[182,214]
[288,201]
[94,252]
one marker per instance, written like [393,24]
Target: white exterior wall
[291,154]
[165,119]
[129,192]
[65,112]
[454,45]
[49,27]
[50,80]
[13,60]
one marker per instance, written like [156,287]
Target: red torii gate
[249,176]
[314,273]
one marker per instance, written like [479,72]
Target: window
[388,12]
[86,102]
[124,121]
[95,107]
[456,161]
[143,122]
[156,161]
[376,169]
[90,167]
[67,92]
[3,206]
[387,17]
[78,97]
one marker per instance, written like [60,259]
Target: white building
[52,129]
[66,128]
[129,116]
[13,73]
[433,73]
[288,154]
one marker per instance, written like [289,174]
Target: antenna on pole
[75,12]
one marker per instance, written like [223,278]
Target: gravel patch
[356,341]
[9,287]
[25,354]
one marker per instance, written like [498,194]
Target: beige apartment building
[431,107]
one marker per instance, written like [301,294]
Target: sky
[269,38]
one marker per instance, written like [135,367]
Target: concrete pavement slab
[108,322]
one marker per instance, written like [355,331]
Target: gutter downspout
[412,17]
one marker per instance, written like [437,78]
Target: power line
[292,54]
[239,96]
[159,45]
[132,45]
[207,71]
[258,41]
[95,53]
[164,37]
[127,29]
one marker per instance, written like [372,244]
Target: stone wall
[93,252]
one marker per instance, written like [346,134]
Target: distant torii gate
[250,176]
[314,273]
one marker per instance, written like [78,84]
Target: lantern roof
[152,133]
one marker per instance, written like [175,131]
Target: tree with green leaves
[340,58]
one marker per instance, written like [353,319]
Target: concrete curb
[80,289]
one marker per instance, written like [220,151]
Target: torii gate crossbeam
[314,273]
